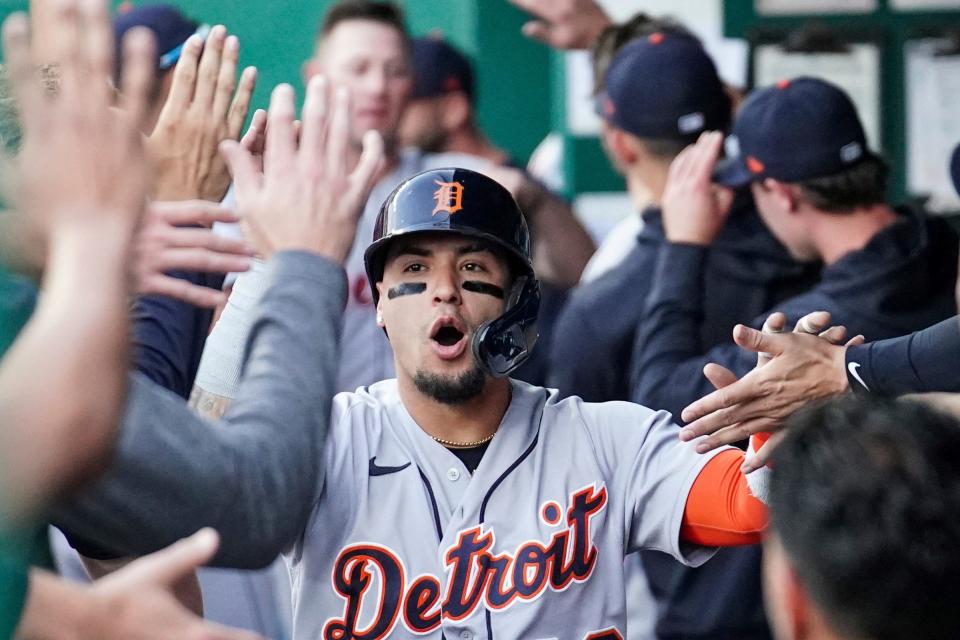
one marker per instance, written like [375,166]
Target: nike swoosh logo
[377,470]
[852,368]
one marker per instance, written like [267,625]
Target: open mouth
[448,337]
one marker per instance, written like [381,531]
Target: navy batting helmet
[470,204]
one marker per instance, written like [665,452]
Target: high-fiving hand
[305,197]
[205,107]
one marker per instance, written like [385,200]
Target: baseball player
[451,501]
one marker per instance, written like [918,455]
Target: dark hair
[865,498]
[386,13]
[862,185]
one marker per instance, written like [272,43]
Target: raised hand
[564,24]
[695,209]
[81,164]
[305,197]
[205,107]
[803,368]
[175,236]
[138,601]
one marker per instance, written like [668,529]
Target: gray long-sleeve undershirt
[254,475]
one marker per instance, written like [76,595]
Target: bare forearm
[64,377]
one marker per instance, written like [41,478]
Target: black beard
[451,390]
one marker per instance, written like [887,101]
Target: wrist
[692,236]
[98,252]
[841,381]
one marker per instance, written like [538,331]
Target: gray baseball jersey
[403,542]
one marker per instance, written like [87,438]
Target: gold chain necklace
[464,445]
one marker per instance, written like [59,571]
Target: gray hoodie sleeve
[254,475]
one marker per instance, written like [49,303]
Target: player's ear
[380,297]
[785,196]
[619,145]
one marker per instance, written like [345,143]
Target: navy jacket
[746,272]
[901,281]
[168,336]
[921,362]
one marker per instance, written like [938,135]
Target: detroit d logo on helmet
[448,196]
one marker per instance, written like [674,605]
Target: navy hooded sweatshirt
[746,272]
[900,282]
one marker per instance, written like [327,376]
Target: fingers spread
[24,82]
[246,173]
[280,147]
[835,335]
[756,341]
[775,323]
[314,124]
[255,137]
[192,258]
[178,289]
[167,566]
[192,238]
[338,136]
[365,174]
[187,212]
[241,103]
[226,79]
[138,75]
[718,375]
[209,68]
[185,75]
[813,322]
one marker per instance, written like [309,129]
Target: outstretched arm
[254,475]
[721,509]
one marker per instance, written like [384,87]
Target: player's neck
[836,235]
[470,421]
[648,179]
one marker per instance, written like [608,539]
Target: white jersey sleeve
[648,465]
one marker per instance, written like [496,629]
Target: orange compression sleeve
[720,510]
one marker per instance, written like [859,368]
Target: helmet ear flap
[505,343]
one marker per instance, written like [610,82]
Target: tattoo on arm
[209,405]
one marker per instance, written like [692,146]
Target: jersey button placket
[466,634]
[453,474]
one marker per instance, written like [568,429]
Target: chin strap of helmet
[503,344]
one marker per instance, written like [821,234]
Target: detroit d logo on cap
[448,196]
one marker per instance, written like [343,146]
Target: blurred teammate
[864,533]
[802,150]
[440,116]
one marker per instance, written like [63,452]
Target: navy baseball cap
[438,68]
[664,86]
[792,131]
[170,28]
